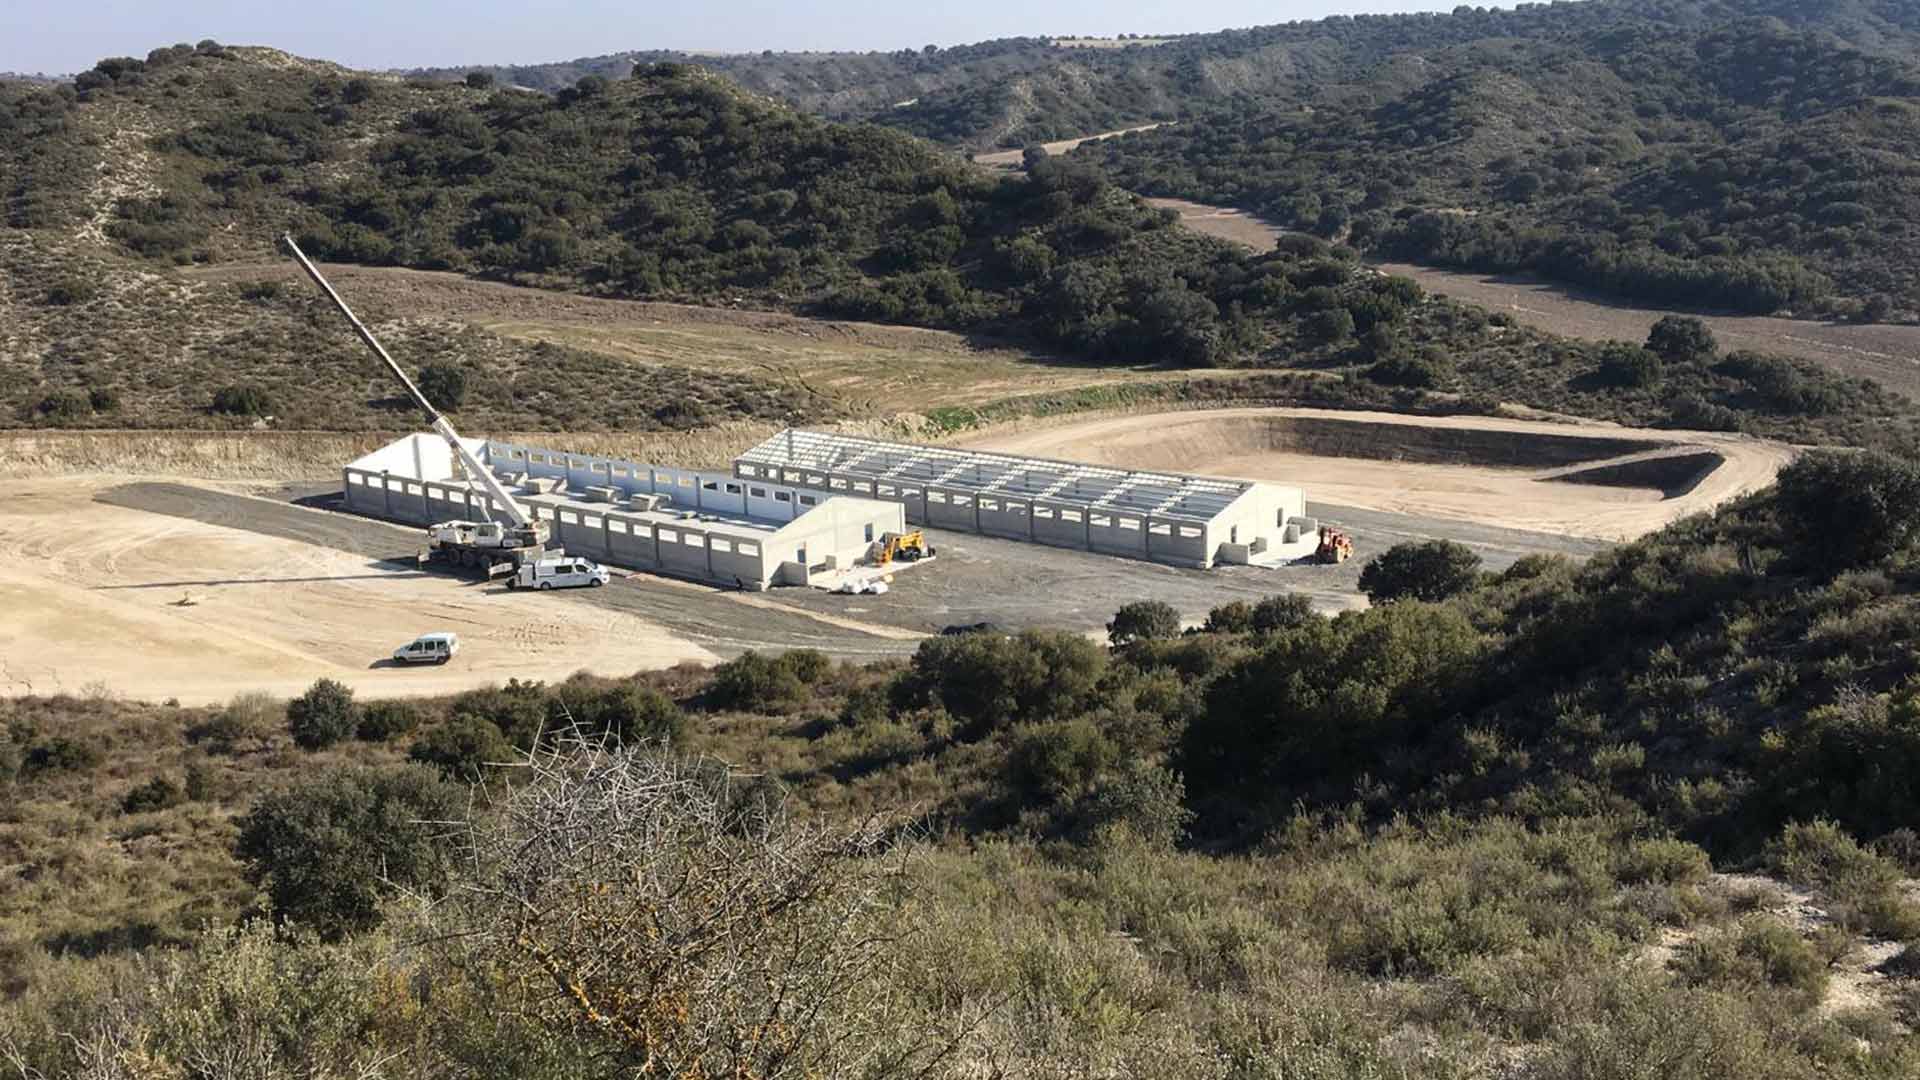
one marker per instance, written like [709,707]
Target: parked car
[565,573]
[428,649]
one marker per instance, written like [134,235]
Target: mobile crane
[492,546]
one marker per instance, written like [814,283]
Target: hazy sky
[65,36]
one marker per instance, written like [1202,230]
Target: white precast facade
[707,526]
[1162,517]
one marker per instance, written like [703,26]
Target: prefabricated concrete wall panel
[1061,526]
[770,503]
[946,510]
[682,550]
[1178,542]
[729,563]
[1011,518]
[723,495]
[1115,533]
[630,544]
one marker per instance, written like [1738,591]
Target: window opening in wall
[808,500]
[869,533]
[733,489]
[782,496]
[758,493]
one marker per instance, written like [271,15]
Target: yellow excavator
[906,547]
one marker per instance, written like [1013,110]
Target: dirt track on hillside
[1013,159]
[1889,355]
[1511,474]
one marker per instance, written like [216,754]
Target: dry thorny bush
[661,915]
[656,905]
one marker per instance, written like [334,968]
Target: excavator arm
[475,468]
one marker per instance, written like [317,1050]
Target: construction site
[311,559]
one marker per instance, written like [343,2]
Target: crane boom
[516,514]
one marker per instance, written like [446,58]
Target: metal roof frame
[1161,495]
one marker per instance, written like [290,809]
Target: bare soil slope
[1578,480]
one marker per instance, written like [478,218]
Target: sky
[66,36]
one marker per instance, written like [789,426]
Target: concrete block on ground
[604,494]
[544,485]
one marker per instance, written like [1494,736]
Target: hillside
[1745,167]
[675,185]
[1738,154]
[1650,815]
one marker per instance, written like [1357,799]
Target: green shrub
[69,291]
[241,400]
[252,715]
[1143,620]
[384,720]
[1145,800]
[64,407]
[1628,366]
[463,748]
[1840,509]
[1430,570]
[1287,611]
[627,711]
[103,399]
[1664,862]
[810,666]
[990,681]
[1864,888]
[60,754]
[1765,950]
[1233,617]
[518,710]
[158,793]
[1681,339]
[1051,761]
[322,716]
[445,385]
[752,682]
[329,849]
[1400,368]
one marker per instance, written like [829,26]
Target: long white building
[1163,517]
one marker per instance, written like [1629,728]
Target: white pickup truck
[564,573]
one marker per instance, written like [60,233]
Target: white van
[564,573]
[428,649]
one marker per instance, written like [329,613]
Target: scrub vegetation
[1653,813]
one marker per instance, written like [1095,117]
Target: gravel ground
[975,578]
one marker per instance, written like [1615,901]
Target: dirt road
[1415,466]
[1014,159]
[1889,355]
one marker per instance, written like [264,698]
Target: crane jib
[531,529]
[360,328]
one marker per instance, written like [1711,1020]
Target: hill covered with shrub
[1741,154]
[1743,166]
[674,184]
